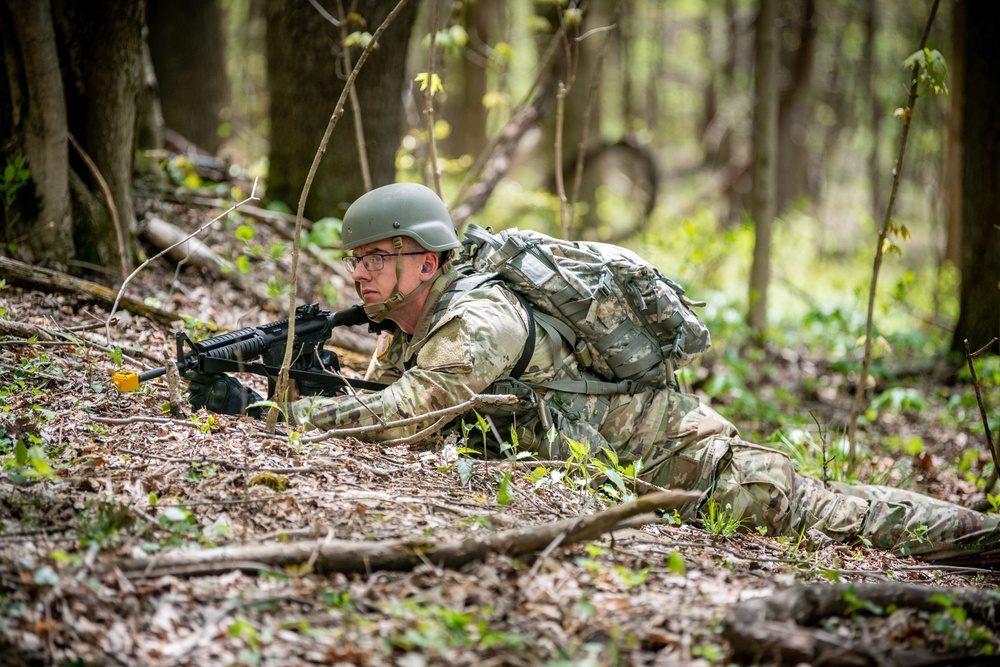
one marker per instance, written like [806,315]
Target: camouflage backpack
[625,321]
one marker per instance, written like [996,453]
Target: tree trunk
[765,148]
[38,114]
[979,315]
[465,110]
[188,52]
[956,94]
[305,80]
[105,41]
[793,115]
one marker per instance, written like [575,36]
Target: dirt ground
[130,481]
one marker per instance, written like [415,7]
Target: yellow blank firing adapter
[130,380]
[126,380]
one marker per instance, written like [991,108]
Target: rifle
[261,350]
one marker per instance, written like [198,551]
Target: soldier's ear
[429,266]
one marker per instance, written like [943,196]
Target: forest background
[637,122]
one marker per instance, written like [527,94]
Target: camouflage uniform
[470,347]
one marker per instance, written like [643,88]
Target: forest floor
[95,479]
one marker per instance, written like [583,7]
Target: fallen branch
[24,330]
[36,276]
[772,629]
[347,556]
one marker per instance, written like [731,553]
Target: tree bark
[956,95]
[793,115]
[302,63]
[979,315]
[786,628]
[103,42]
[38,113]
[465,110]
[188,51]
[764,170]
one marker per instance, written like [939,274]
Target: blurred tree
[71,84]
[765,158]
[306,77]
[956,93]
[794,110]
[979,317]
[188,52]
[466,109]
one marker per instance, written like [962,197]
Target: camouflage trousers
[760,485]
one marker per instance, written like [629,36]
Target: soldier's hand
[220,393]
[327,363]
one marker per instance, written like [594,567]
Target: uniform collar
[427,315]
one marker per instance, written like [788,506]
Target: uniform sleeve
[477,342]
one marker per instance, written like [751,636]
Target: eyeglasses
[374,261]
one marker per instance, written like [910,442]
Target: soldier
[448,339]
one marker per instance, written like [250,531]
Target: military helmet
[400,209]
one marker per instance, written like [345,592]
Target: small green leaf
[465,468]
[675,564]
[504,493]
[615,478]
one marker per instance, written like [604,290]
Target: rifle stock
[261,350]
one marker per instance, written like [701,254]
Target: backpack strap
[529,345]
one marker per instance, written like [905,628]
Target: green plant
[718,520]
[994,502]
[206,424]
[433,629]
[953,623]
[102,525]
[249,639]
[181,526]
[855,603]
[918,535]
[616,487]
[897,400]
[15,176]
[505,493]
[24,457]
[466,466]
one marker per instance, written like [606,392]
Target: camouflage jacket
[471,346]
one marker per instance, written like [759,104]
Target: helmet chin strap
[379,311]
